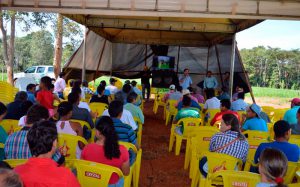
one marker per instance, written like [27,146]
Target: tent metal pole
[219,65]
[146,52]
[232,65]
[178,59]
[101,54]
[207,59]
[111,60]
[84,54]
[246,76]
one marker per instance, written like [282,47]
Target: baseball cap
[255,108]
[172,87]
[185,92]
[295,100]
[112,80]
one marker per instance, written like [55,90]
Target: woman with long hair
[106,150]
[273,166]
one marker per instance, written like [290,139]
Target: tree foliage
[272,67]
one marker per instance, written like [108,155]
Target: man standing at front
[185,79]
[210,82]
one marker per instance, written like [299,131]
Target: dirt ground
[159,166]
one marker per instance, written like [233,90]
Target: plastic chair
[256,135]
[140,130]
[69,82]
[209,115]
[1,145]
[82,123]
[215,160]
[190,126]
[294,141]
[6,88]
[234,178]
[278,114]
[253,145]
[9,125]
[269,110]
[158,102]
[294,185]
[66,92]
[171,110]
[92,173]
[98,108]
[241,113]
[15,162]
[136,167]
[291,172]
[196,146]
[67,144]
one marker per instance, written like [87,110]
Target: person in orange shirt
[41,170]
[225,109]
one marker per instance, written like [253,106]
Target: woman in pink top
[106,150]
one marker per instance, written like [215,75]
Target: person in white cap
[167,95]
[194,103]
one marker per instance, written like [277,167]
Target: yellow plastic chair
[294,185]
[1,146]
[98,108]
[269,110]
[210,113]
[278,114]
[9,125]
[82,123]
[294,141]
[66,92]
[67,144]
[196,146]
[135,168]
[140,130]
[293,167]
[190,126]
[69,82]
[295,136]
[171,110]
[92,173]
[159,102]
[234,178]
[119,83]
[6,88]
[15,162]
[253,145]
[241,113]
[215,160]
[256,135]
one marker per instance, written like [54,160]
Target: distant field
[273,92]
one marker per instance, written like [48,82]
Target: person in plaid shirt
[16,145]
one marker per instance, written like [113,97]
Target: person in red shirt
[225,109]
[41,170]
[107,150]
[45,97]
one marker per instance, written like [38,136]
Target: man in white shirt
[212,102]
[185,79]
[112,88]
[239,104]
[125,118]
[60,84]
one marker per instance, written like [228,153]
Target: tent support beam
[218,60]
[207,60]
[146,52]
[246,76]
[232,65]
[178,59]
[101,54]
[84,55]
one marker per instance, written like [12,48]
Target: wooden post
[178,58]
[207,59]
[232,65]
[84,55]
[102,51]
[146,53]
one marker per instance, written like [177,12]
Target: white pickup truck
[36,72]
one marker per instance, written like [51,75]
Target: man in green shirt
[132,108]
[186,112]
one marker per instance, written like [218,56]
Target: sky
[273,33]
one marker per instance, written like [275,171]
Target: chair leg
[136,174]
[195,179]
[167,118]
[187,157]
[178,142]
[172,138]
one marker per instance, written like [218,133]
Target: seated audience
[82,104]
[16,145]
[123,94]
[282,132]
[26,105]
[194,101]
[296,128]
[112,88]
[64,125]
[106,91]
[186,112]
[41,170]
[199,97]
[291,115]
[212,102]
[167,95]
[31,88]
[100,97]
[177,94]
[239,104]
[254,120]
[224,94]
[225,109]
[238,89]
[86,89]
[8,178]
[79,113]
[135,89]
[106,150]
[132,108]
[60,85]
[15,109]
[273,166]
[45,97]
[229,141]
[3,135]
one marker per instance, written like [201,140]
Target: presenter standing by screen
[185,79]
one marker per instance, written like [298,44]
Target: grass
[273,92]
